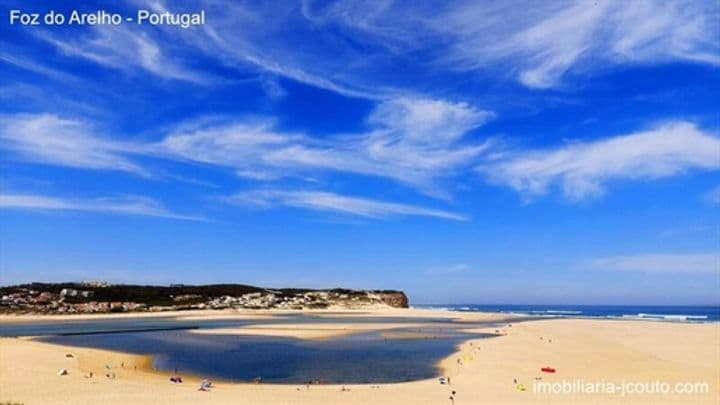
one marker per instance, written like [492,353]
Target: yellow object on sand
[520,387]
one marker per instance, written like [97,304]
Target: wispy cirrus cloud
[126,49]
[124,205]
[51,139]
[417,142]
[538,46]
[661,263]
[414,141]
[543,44]
[581,170]
[337,203]
[354,48]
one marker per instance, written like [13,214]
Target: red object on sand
[548,369]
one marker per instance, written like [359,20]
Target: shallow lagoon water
[361,358]
[110,325]
[367,357]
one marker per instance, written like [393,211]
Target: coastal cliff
[101,297]
[394,299]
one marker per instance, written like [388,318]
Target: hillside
[102,297]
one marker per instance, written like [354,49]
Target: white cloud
[661,263]
[331,202]
[232,143]
[122,48]
[411,140]
[50,139]
[262,175]
[253,38]
[126,205]
[417,142]
[262,61]
[539,45]
[428,121]
[582,169]
[355,48]
[414,141]
[542,43]
[419,139]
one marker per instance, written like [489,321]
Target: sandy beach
[582,351]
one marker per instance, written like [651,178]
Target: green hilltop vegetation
[51,297]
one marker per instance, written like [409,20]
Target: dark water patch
[91,326]
[79,326]
[361,358]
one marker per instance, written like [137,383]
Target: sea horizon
[687,313]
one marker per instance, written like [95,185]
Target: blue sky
[566,152]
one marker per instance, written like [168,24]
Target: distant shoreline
[662,313]
[255,313]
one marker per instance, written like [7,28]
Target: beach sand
[591,351]
[306,330]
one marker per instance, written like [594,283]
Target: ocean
[645,312]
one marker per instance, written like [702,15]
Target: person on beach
[205,385]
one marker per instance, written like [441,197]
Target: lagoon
[361,358]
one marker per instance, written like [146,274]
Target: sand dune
[306,330]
